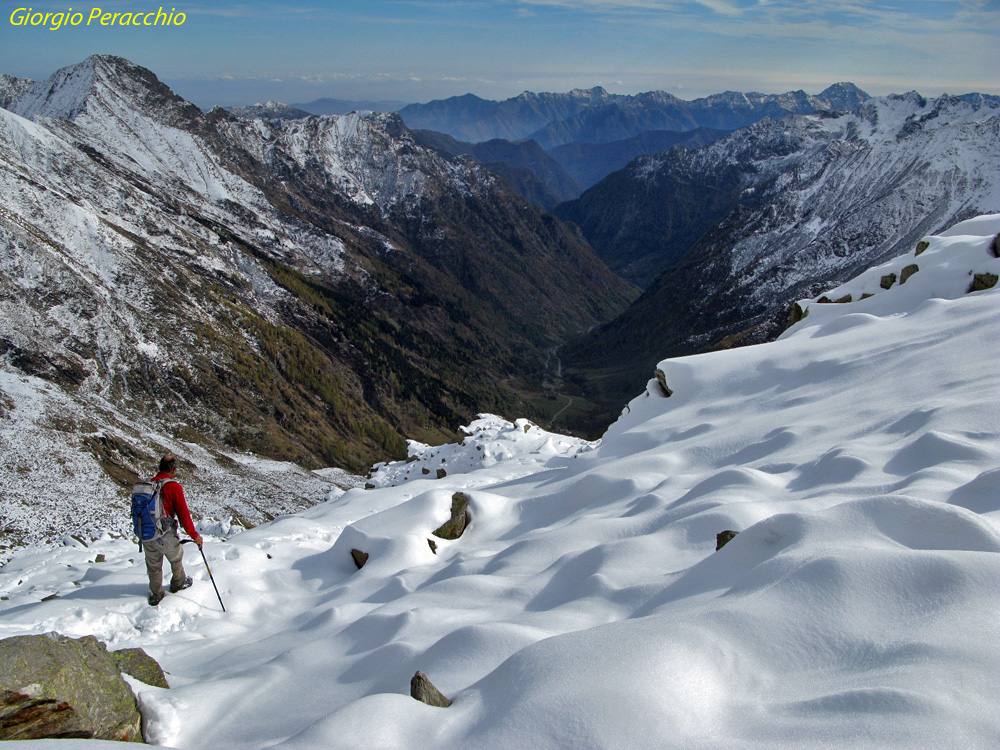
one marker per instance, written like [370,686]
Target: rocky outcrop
[424,691]
[907,272]
[661,378]
[824,300]
[137,663]
[55,686]
[460,518]
[23,717]
[888,280]
[797,314]
[723,538]
[360,558]
[981,281]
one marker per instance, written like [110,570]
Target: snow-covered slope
[585,606]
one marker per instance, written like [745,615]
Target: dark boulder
[797,313]
[907,272]
[983,281]
[661,378]
[888,280]
[723,538]
[54,686]
[424,691]
[454,527]
[360,558]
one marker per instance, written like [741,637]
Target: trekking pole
[211,577]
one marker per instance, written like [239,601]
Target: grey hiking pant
[169,546]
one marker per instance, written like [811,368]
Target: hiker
[169,544]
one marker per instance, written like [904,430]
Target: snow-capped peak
[102,84]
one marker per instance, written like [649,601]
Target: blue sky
[417,50]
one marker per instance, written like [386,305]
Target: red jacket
[174,503]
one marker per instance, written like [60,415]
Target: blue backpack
[148,519]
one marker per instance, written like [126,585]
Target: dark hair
[167,464]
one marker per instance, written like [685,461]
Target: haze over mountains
[591,133]
[596,116]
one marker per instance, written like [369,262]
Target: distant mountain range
[727,237]
[277,111]
[596,116]
[589,133]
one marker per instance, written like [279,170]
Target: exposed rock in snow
[64,687]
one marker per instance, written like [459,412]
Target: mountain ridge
[595,116]
[771,213]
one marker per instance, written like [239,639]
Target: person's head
[168,464]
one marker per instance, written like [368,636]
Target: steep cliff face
[311,291]
[773,213]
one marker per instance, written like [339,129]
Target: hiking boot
[155,599]
[187,582]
